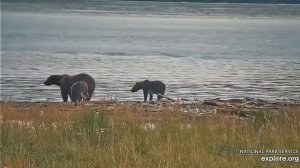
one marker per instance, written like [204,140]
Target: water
[198,50]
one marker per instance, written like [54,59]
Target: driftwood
[171,98]
[164,96]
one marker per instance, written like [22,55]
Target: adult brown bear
[150,87]
[66,81]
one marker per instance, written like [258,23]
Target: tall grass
[98,140]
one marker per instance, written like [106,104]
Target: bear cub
[79,92]
[150,87]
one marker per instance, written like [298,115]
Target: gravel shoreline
[157,110]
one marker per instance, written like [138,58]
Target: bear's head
[53,79]
[137,86]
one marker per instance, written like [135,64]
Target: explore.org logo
[273,155]
[280,159]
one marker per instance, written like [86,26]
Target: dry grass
[104,134]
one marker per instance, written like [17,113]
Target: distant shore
[200,1]
[229,1]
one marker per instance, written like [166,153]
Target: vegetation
[92,137]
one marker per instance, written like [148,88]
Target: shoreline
[178,100]
[241,109]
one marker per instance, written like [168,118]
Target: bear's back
[155,86]
[67,81]
[81,77]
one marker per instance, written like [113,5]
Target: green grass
[97,140]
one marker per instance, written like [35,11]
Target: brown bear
[79,92]
[66,81]
[156,87]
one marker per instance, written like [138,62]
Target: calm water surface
[198,50]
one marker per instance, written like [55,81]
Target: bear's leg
[162,92]
[76,103]
[145,94]
[91,87]
[90,92]
[159,97]
[151,95]
[83,97]
[87,97]
[64,95]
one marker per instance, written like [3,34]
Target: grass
[93,137]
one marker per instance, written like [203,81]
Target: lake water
[199,50]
